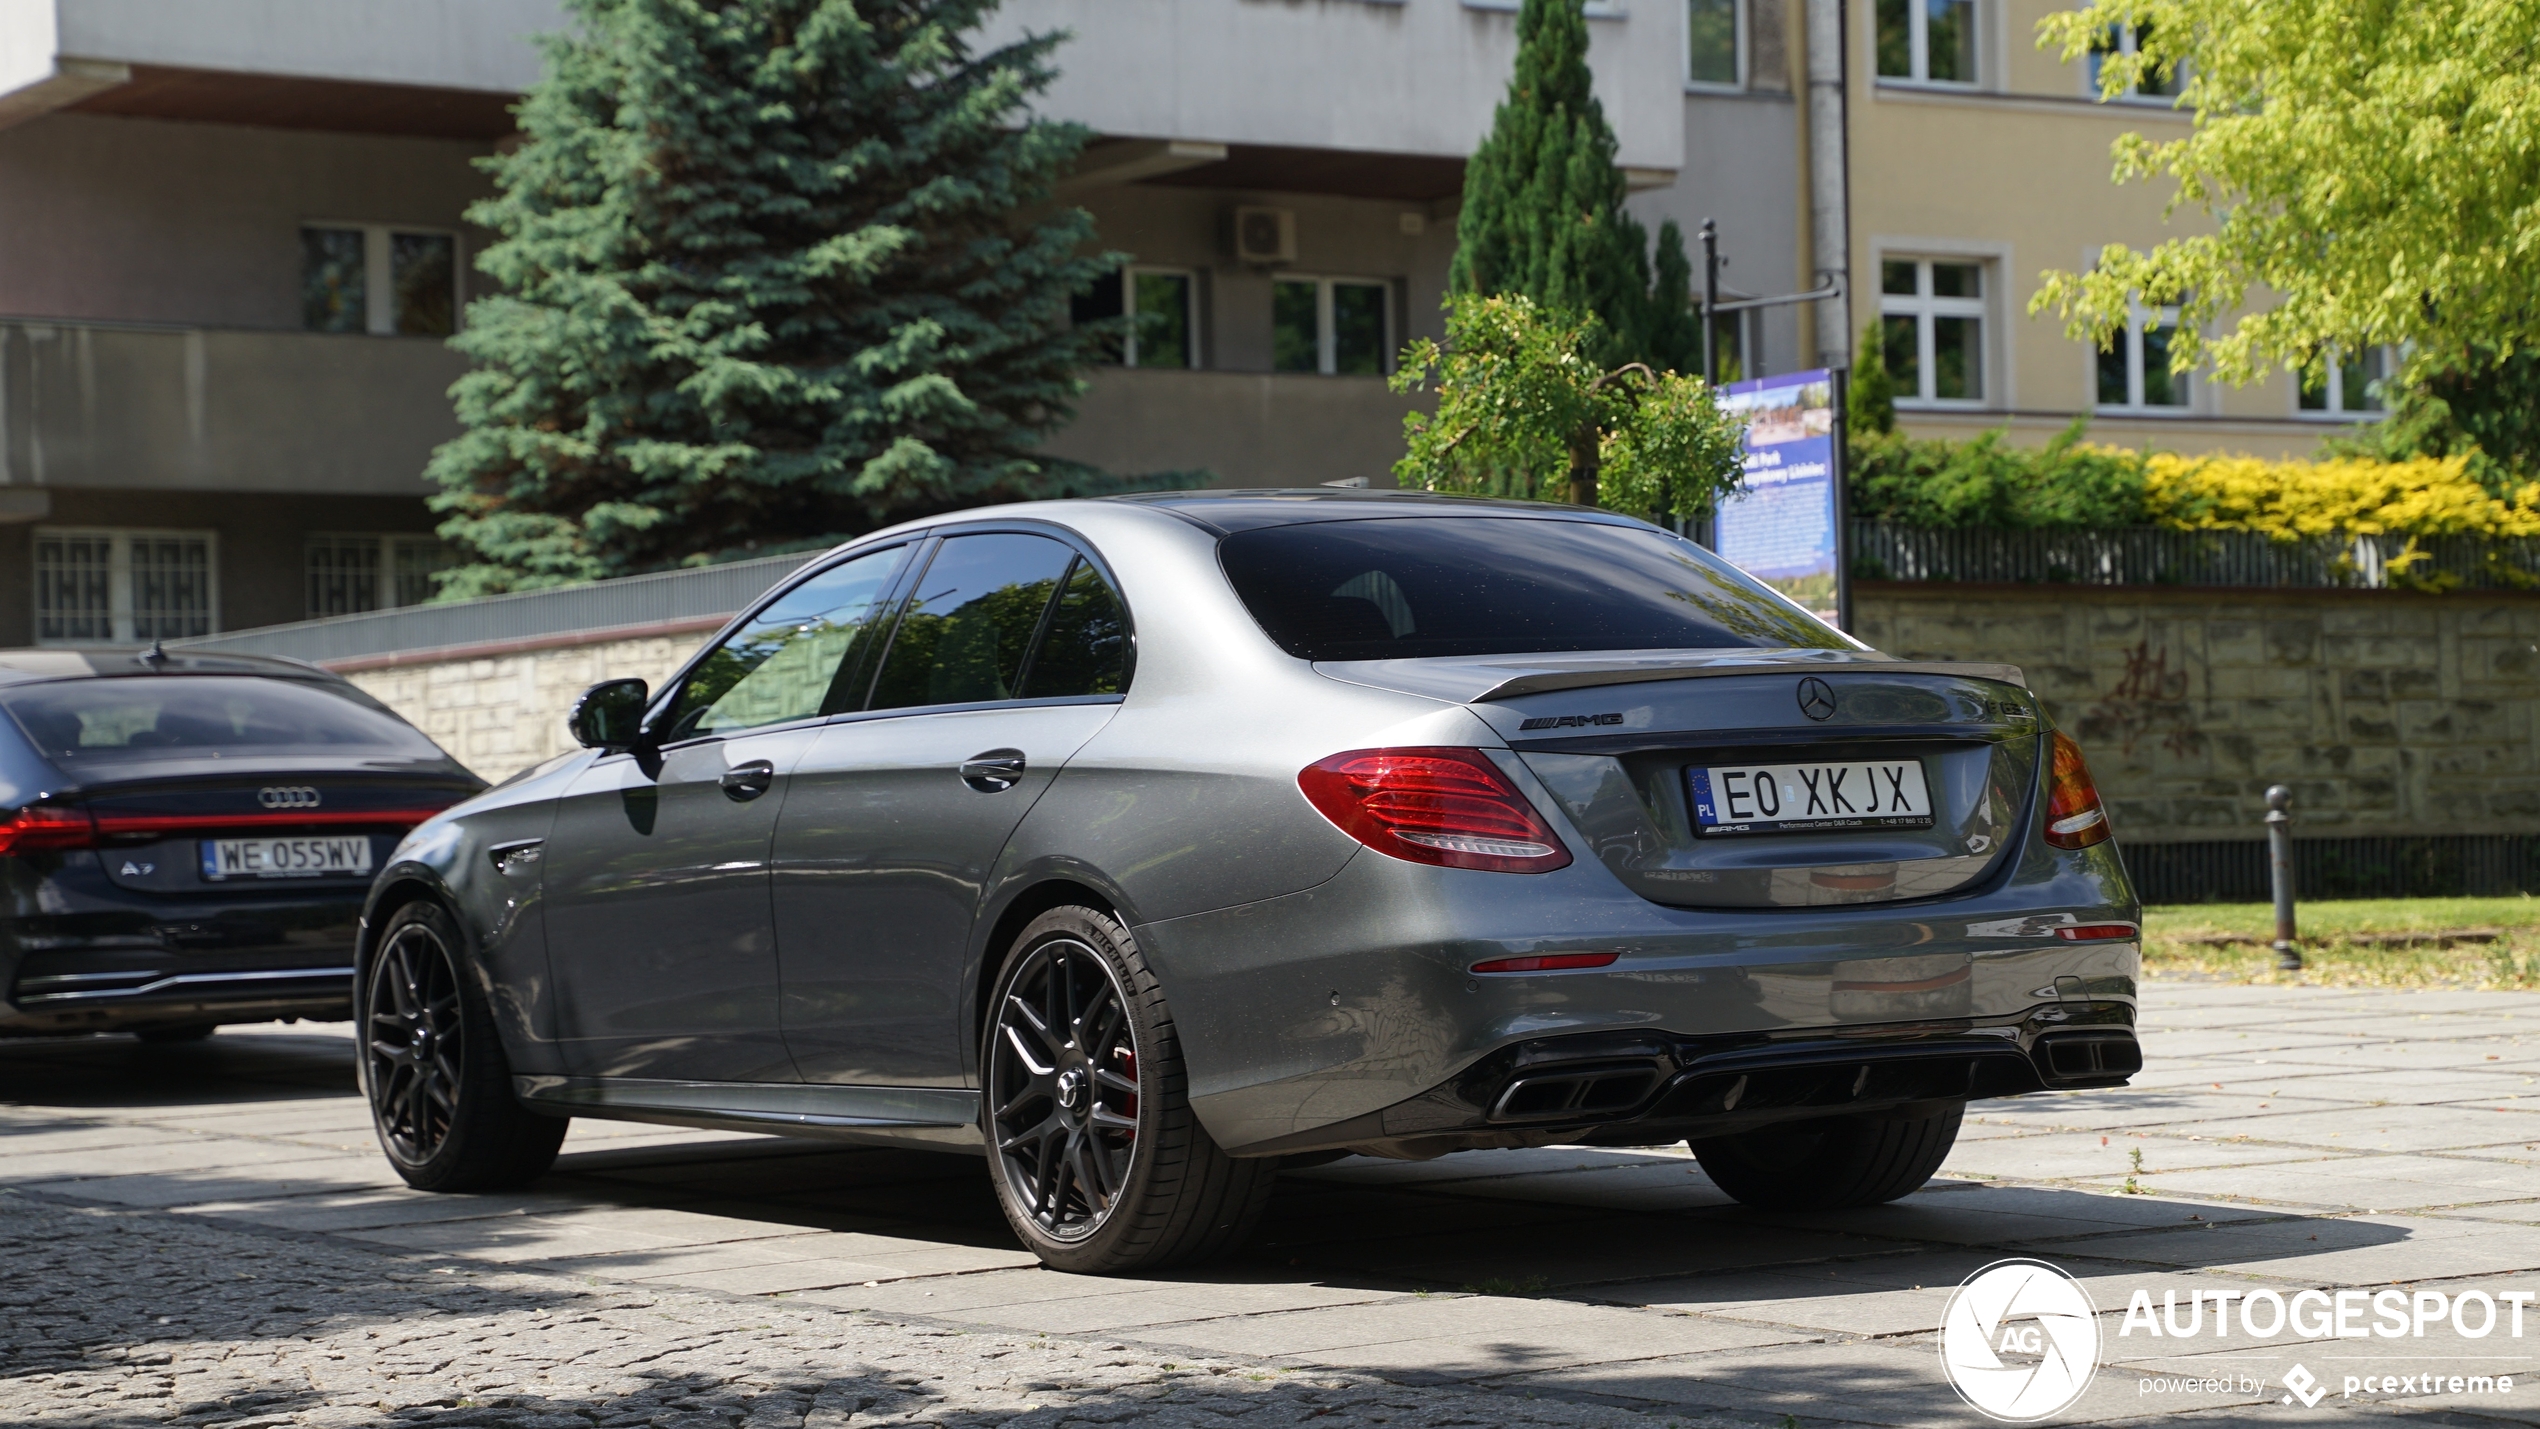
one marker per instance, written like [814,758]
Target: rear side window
[88,723]
[1085,651]
[1409,587]
[971,621]
[798,658]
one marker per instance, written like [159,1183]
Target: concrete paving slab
[2399,1182]
[2388,1128]
[1447,1337]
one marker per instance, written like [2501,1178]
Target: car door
[1012,651]
[657,874]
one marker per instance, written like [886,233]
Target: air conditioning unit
[1265,235]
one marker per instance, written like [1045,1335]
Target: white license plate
[286,858]
[1790,798]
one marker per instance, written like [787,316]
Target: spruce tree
[1543,203]
[772,272]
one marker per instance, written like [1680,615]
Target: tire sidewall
[1111,943]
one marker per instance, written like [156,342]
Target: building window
[1715,43]
[1929,40]
[1162,305]
[349,573]
[2351,389]
[1331,325]
[1931,316]
[385,281]
[2134,365]
[123,587]
[2121,40]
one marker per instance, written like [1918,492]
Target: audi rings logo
[287,796]
[2020,1340]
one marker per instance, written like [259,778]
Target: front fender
[500,910]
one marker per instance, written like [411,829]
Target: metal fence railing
[2152,556]
[704,592]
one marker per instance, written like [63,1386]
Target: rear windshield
[1407,587]
[86,722]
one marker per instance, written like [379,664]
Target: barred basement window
[124,587]
[351,572]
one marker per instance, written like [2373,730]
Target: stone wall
[500,710]
[2389,713]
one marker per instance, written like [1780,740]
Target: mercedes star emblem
[1816,698]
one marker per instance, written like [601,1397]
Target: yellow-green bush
[2426,496]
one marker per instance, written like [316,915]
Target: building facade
[1978,162]
[232,250]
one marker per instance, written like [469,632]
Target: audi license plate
[286,858]
[1795,798]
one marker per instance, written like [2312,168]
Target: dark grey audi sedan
[1143,846]
[185,840]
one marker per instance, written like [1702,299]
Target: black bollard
[2288,956]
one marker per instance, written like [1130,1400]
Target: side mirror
[610,714]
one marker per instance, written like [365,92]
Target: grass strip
[2361,942]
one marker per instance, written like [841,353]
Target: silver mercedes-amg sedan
[1144,846]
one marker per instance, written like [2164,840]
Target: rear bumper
[103,1001]
[1307,1014]
[1643,1089]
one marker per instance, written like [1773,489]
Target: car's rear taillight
[2074,816]
[1450,807]
[39,827]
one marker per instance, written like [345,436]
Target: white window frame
[1129,311]
[119,593]
[1922,305]
[1918,47]
[379,285]
[2130,343]
[1326,335]
[2336,410]
[1712,86]
[2125,46]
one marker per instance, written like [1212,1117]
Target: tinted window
[971,620]
[1085,651]
[86,722]
[1403,587]
[798,658]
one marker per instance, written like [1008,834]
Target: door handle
[745,782]
[994,771]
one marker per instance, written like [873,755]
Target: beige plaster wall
[2389,713]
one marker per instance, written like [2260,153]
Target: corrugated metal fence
[2153,556]
[602,605]
[2471,865]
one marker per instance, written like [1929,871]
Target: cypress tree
[767,279]
[1543,202]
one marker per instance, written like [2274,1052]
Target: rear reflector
[2074,816]
[1548,963]
[2094,932]
[1448,807]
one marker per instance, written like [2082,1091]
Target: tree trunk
[1584,459]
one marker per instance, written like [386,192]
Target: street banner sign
[1784,525]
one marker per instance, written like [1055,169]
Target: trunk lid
[155,832]
[1618,739]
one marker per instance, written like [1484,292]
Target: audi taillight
[1449,807]
[40,827]
[2074,816]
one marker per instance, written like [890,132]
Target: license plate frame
[296,856]
[1813,796]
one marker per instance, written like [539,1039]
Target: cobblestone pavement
[207,1235]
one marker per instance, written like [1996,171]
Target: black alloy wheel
[415,1040]
[1063,1088]
[433,1067]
